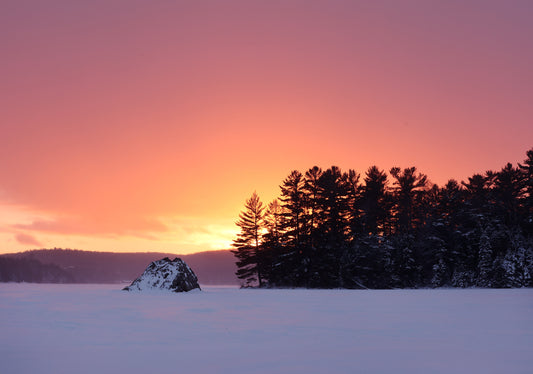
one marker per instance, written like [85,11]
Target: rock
[173,275]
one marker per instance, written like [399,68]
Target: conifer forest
[378,230]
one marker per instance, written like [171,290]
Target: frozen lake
[100,329]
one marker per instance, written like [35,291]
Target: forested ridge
[75,266]
[32,271]
[335,229]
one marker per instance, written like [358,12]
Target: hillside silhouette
[211,267]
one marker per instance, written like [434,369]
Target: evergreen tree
[408,189]
[333,227]
[451,213]
[527,198]
[477,198]
[374,201]
[293,202]
[293,228]
[517,263]
[247,245]
[431,240]
[408,193]
[477,214]
[272,245]
[439,273]
[354,215]
[272,220]
[333,205]
[508,192]
[311,190]
[485,263]
[371,266]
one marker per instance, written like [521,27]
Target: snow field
[100,329]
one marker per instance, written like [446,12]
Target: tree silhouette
[272,245]
[312,191]
[373,201]
[333,227]
[293,202]
[408,187]
[247,244]
[527,203]
[329,230]
[353,191]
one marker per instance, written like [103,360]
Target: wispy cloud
[131,226]
[27,240]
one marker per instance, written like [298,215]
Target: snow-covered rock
[173,275]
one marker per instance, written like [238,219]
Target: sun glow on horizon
[151,130]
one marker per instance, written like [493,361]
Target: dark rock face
[173,275]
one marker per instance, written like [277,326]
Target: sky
[144,126]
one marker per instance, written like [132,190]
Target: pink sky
[134,125]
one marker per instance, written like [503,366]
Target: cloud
[132,226]
[27,240]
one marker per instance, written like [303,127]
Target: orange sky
[137,126]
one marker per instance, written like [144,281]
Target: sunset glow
[144,126]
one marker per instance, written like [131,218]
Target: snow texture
[173,275]
[99,329]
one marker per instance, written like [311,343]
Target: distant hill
[31,271]
[211,267]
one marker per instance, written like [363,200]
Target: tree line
[31,271]
[211,267]
[335,229]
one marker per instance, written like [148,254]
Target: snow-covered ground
[100,329]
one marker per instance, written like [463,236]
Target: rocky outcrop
[172,275]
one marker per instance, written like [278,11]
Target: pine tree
[247,244]
[409,186]
[527,199]
[408,194]
[333,206]
[451,212]
[311,190]
[272,220]
[485,263]
[353,190]
[293,229]
[517,263]
[371,266]
[477,213]
[508,192]
[374,201]
[333,227]
[272,245]
[439,273]
[477,198]
[293,202]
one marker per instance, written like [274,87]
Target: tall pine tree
[374,202]
[250,259]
